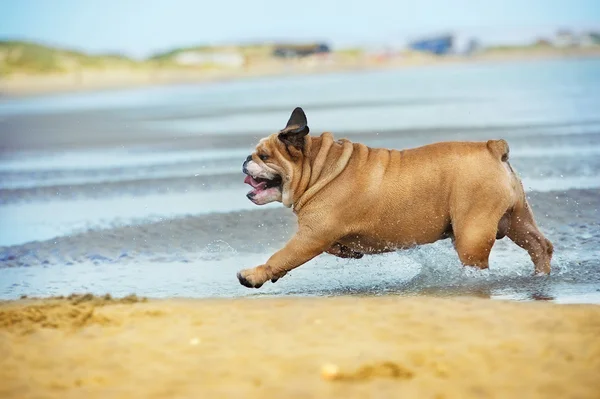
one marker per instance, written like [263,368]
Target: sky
[141,27]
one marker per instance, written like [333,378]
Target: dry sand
[421,347]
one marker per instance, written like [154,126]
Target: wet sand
[347,347]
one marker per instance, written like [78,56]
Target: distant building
[590,39]
[565,38]
[473,46]
[542,42]
[436,45]
[210,58]
[299,51]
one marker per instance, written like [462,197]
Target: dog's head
[270,168]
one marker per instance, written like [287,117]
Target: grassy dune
[33,58]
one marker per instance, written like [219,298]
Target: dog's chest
[368,244]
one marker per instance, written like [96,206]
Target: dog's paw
[253,278]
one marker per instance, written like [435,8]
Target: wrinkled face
[269,168]
[264,175]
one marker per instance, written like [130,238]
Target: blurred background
[124,124]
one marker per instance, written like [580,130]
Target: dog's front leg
[304,245]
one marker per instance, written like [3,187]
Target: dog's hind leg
[474,241]
[475,231]
[524,232]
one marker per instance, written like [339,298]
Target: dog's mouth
[260,185]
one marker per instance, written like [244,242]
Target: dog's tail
[499,149]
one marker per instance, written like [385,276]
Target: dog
[352,200]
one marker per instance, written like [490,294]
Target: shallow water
[431,270]
[68,217]
[141,190]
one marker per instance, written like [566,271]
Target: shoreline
[346,347]
[553,210]
[24,86]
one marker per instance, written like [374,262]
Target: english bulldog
[352,200]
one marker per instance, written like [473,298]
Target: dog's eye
[263,157]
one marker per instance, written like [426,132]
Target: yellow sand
[350,347]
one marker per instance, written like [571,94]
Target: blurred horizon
[141,29]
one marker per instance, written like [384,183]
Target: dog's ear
[295,130]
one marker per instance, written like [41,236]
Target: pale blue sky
[139,27]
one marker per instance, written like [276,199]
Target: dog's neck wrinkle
[319,162]
[321,168]
[307,173]
[304,181]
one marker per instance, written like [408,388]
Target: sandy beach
[349,347]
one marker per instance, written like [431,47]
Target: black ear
[295,130]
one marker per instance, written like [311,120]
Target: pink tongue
[251,181]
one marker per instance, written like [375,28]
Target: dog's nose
[246,163]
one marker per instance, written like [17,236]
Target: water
[128,191]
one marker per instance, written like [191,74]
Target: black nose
[246,163]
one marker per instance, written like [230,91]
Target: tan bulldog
[352,200]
